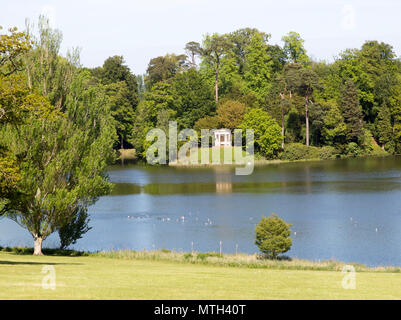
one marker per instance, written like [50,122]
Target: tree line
[348,107]
[61,123]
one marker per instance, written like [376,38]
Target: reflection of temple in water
[224,187]
[223,180]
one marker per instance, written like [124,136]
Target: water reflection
[226,186]
[223,180]
[347,210]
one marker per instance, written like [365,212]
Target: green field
[100,277]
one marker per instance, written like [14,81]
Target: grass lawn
[97,277]
[127,154]
[214,156]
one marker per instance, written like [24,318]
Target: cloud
[348,17]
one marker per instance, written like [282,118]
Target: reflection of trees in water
[308,181]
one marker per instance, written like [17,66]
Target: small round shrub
[273,236]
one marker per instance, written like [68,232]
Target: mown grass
[150,275]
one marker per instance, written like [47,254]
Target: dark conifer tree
[384,129]
[352,112]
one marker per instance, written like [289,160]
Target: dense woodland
[350,107]
[61,123]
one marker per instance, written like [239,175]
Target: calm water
[349,210]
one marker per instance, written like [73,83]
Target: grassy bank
[252,261]
[295,153]
[215,156]
[172,275]
[127,154]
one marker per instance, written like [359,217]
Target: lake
[348,210]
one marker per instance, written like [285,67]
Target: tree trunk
[307,122]
[37,249]
[282,126]
[217,85]
[282,95]
[193,61]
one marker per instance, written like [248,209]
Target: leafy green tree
[75,229]
[140,81]
[334,129]
[163,68]
[122,94]
[208,122]
[214,49]
[192,50]
[352,112]
[293,124]
[193,98]
[9,177]
[115,70]
[147,115]
[121,109]
[279,102]
[318,112]
[240,40]
[63,161]
[258,67]
[45,69]
[18,104]
[302,81]
[161,97]
[267,133]
[12,48]
[231,114]
[278,57]
[294,48]
[141,126]
[395,109]
[385,129]
[377,61]
[372,69]
[273,236]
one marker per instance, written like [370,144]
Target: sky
[143,29]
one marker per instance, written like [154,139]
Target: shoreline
[240,260]
[131,158]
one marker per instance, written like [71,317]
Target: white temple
[222,138]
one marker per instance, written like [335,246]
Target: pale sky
[141,30]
